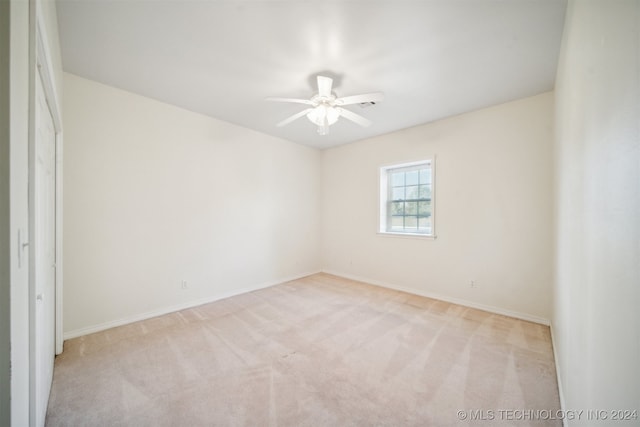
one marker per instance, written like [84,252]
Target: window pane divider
[407,217]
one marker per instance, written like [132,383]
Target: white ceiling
[432,59]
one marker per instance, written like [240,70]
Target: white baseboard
[466,303]
[172,309]
[565,423]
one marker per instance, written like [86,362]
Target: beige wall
[493,209]
[597,287]
[155,194]
[169,195]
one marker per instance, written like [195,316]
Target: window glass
[411,178]
[407,198]
[397,193]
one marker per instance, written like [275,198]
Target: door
[44,241]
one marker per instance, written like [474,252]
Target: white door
[44,208]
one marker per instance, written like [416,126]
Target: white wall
[596,321]
[155,194]
[49,17]
[493,209]
[19,165]
[5,230]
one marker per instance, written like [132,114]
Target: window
[406,199]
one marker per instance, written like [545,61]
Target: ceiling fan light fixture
[323,130]
[323,115]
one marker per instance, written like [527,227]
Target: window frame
[383,210]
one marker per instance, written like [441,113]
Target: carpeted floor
[319,351]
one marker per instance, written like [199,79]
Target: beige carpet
[319,351]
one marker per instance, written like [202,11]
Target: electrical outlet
[473,284]
[183,284]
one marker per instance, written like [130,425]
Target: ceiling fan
[325,107]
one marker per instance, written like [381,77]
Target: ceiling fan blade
[295,100]
[294,117]
[356,118]
[324,86]
[358,99]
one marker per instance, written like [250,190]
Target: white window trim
[382,200]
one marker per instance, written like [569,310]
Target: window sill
[407,235]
